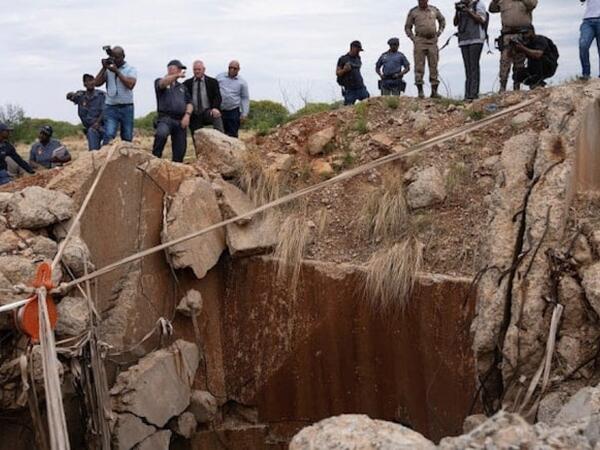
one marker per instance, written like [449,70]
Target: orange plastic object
[26,317]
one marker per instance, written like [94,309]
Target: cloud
[285,48]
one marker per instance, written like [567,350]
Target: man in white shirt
[589,30]
[235,104]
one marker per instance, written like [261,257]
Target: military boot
[434,92]
[517,87]
[420,89]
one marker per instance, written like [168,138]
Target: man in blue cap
[48,152]
[391,67]
[349,76]
[7,150]
[174,104]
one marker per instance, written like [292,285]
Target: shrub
[392,102]
[145,123]
[265,114]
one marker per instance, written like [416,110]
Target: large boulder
[159,387]
[73,317]
[223,153]
[36,207]
[130,431]
[358,432]
[233,201]
[194,207]
[76,255]
[426,189]
[583,404]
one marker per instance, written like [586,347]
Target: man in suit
[206,98]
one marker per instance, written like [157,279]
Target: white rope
[57,423]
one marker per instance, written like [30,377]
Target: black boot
[434,91]
[502,86]
[420,89]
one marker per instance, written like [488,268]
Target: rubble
[194,207]
[36,207]
[358,432]
[171,369]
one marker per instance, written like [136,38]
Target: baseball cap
[177,63]
[356,44]
[394,41]
[47,129]
[4,127]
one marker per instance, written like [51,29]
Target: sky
[287,49]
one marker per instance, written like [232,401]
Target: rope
[452,134]
[57,424]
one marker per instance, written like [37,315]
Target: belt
[121,105]
[231,110]
[170,116]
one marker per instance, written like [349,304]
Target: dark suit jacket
[212,90]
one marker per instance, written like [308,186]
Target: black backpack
[552,55]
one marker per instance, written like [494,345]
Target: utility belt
[506,31]
[391,82]
[165,115]
[120,105]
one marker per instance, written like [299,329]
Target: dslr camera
[111,59]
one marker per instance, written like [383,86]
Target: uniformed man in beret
[391,68]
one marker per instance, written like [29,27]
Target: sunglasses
[234,68]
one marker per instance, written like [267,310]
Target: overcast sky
[287,49]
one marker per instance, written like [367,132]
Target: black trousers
[231,122]
[167,126]
[203,119]
[535,73]
[471,55]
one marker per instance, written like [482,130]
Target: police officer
[48,152]
[514,15]
[174,104]
[8,151]
[391,67]
[90,109]
[425,36]
[349,76]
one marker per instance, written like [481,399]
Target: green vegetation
[392,102]
[145,123]
[266,115]
[314,108]
[476,115]
[27,131]
[361,110]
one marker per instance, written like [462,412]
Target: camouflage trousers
[426,51]
[508,59]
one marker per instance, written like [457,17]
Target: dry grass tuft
[386,212]
[261,184]
[391,274]
[294,236]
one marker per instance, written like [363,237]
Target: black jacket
[212,90]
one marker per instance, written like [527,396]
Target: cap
[177,63]
[47,129]
[394,41]
[356,44]
[4,127]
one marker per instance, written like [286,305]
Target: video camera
[517,39]
[462,5]
[111,59]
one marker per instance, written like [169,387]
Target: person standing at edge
[174,105]
[8,151]
[514,15]
[391,67]
[470,18]
[423,19]
[206,99]
[349,76]
[120,79]
[235,103]
[589,30]
[90,109]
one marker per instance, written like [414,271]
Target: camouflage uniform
[514,14]
[425,38]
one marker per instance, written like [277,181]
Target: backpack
[551,56]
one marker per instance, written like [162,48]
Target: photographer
[471,19]
[589,30]
[90,109]
[120,79]
[514,15]
[174,104]
[542,58]
[391,67]
[349,76]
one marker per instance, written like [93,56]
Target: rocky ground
[503,206]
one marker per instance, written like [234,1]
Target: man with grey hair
[206,99]
[235,103]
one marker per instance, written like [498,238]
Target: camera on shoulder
[462,5]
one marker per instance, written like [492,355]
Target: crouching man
[541,54]
[48,152]
[174,104]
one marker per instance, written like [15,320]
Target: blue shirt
[392,63]
[42,154]
[234,93]
[90,106]
[116,92]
